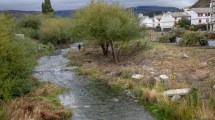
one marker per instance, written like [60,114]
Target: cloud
[75,4]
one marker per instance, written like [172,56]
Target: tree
[184,22]
[47,7]
[106,24]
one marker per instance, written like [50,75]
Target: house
[199,15]
[146,21]
[168,20]
[157,20]
[180,15]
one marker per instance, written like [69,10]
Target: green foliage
[192,28]
[47,7]
[29,25]
[102,22]
[171,36]
[29,32]
[184,22]
[29,21]
[193,39]
[168,37]
[55,31]
[17,59]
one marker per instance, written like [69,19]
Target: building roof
[158,16]
[202,10]
[180,14]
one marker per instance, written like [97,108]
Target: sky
[35,5]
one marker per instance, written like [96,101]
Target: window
[209,14]
[200,14]
[207,20]
[200,21]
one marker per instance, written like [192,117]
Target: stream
[89,99]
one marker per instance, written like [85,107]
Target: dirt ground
[185,66]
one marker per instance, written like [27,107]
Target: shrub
[168,37]
[15,68]
[29,32]
[193,39]
[192,28]
[55,31]
[29,21]
[29,25]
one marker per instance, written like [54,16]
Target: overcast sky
[75,4]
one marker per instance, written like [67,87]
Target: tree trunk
[103,49]
[106,51]
[113,52]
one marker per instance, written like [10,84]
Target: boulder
[175,98]
[180,92]
[214,87]
[185,56]
[163,77]
[116,100]
[137,76]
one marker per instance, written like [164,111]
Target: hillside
[201,4]
[69,13]
[152,9]
[62,13]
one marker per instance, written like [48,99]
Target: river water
[88,98]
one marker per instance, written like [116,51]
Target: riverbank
[184,67]
[41,103]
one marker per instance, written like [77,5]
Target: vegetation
[184,23]
[194,39]
[170,37]
[17,60]
[106,24]
[29,26]
[55,31]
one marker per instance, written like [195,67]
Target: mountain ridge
[69,13]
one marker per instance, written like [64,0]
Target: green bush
[168,37]
[192,28]
[55,31]
[16,60]
[29,32]
[29,25]
[194,39]
[29,21]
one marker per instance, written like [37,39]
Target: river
[89,99]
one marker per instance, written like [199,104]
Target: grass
[40,103]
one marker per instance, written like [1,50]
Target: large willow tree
[106,24]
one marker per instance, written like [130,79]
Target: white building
[167,22]
[199,15]
[146,21]
[157,20]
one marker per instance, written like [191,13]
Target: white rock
[137,76]
[185,56]
[20,36]
[116,100]
[152,73]
[175,98]
[163,77]
[177,92]
[86,106]
[214,87]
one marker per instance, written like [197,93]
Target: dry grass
[198,70]
[40,104]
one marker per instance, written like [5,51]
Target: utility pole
[212,27]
